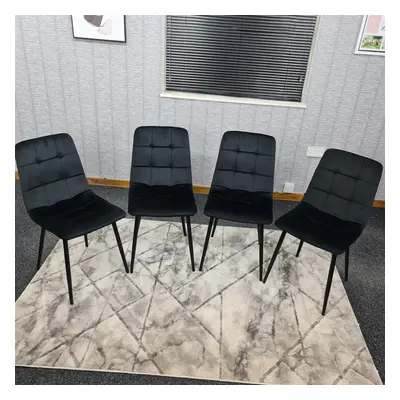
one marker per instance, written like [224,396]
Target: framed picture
[371,39]
[99,27]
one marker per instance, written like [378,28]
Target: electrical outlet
[315,151]
[288,187]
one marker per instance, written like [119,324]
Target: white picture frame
[110,28]
[371,39]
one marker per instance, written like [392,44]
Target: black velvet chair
[161,179]
[242,185]
[57,196]
[334,209]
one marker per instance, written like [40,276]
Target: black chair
[57,196]
[242,185]
[334,209]
[161,179]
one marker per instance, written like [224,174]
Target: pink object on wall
[373,23]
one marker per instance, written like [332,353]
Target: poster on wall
[99,27]
[371,39]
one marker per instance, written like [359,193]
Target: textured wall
[100,92]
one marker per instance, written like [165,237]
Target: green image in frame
[370,42]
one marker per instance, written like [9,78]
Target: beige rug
[164,319]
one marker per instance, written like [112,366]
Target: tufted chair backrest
[344,185]
[50,170]
[161,157]
[246,162]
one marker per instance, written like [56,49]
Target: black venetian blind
[261,56]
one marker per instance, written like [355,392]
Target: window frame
[230,99]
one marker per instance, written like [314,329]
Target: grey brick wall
[100,92]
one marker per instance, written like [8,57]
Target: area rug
[164,319]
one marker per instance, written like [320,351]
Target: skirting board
[204,190]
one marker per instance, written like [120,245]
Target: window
[261,57]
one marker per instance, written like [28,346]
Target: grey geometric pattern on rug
[221,324]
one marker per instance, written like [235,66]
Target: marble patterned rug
[164,319]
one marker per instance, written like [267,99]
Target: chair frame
[331,267]
[138,218]
[67,259]
[212,225]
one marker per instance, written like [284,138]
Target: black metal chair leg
[86,241]
[271,263]
[42,233]
[346,264]
[135,234]
[189,229]
[299,248]
[183,226]
[260,228]
[68,271]
[329,282]
[121,249]
[203,256]
[214,227]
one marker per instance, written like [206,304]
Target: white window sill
[227,99]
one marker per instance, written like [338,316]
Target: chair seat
[239,205]
[320,229]
[77,216]
[162,201]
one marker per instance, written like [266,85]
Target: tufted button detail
[59,154]
[38,160]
